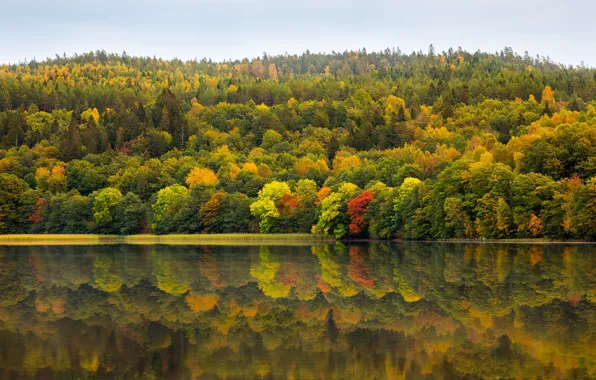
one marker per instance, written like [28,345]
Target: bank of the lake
[188,239]
[234,239]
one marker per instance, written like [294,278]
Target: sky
[564,30]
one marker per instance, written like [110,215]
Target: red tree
[357,207]
[38,211]
[287,205]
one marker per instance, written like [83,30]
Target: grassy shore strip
[233,239]
[198,239]
[227,239]
[57,239]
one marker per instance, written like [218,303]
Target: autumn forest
[381,145]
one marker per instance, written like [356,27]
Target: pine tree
[332,148]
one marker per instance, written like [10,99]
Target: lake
[333,311]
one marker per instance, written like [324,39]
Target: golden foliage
[250,167]
[202,176]
[342,163]
[323,193]
[535,225]
[201,302]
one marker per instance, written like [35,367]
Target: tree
[548,99]
[201,176]
[357,207]
[13,127]
[332,148]
[333,217]
[158,142]
[266,207]
[170,200]
[69,213]
[130,215]
[53,181]
[71,146]
[306,196]
[535,225]
[406,202]
[83,176]
[457,220]
[105,203]
[168,115]
[11,187]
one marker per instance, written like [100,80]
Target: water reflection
[370,311]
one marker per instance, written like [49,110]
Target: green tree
[105,203]
[11,188]
[83,176]
[130,215]
[170,200]
[266,205]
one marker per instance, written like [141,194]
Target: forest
[380,145]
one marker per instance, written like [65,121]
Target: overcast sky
[224,29]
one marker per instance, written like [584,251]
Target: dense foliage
[381,311]
[380,145]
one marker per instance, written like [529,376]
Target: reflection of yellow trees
[265,272]
[330,270]
[224,324]
[201,302]
[536,254]
[251,312]
[168,276]
[167,283]
[306,289]
[104,277]
[380,269]
[89,361]
[503,264]
[406,291]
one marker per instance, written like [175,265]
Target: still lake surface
[321,311]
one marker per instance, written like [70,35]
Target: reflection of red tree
[574,298]
[209,269]
[35,261]
[356,209]
[288,275]
[58,305]
[357,271]
[536,255]
[322,285]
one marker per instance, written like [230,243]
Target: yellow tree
[548,98]
[202,176]
[272,71]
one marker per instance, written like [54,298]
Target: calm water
[371,311]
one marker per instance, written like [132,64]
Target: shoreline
[234,239]
[174,239]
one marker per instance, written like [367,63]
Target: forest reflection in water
[357,311]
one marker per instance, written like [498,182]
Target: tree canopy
[430,146]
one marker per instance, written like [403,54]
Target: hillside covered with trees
[354,144]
